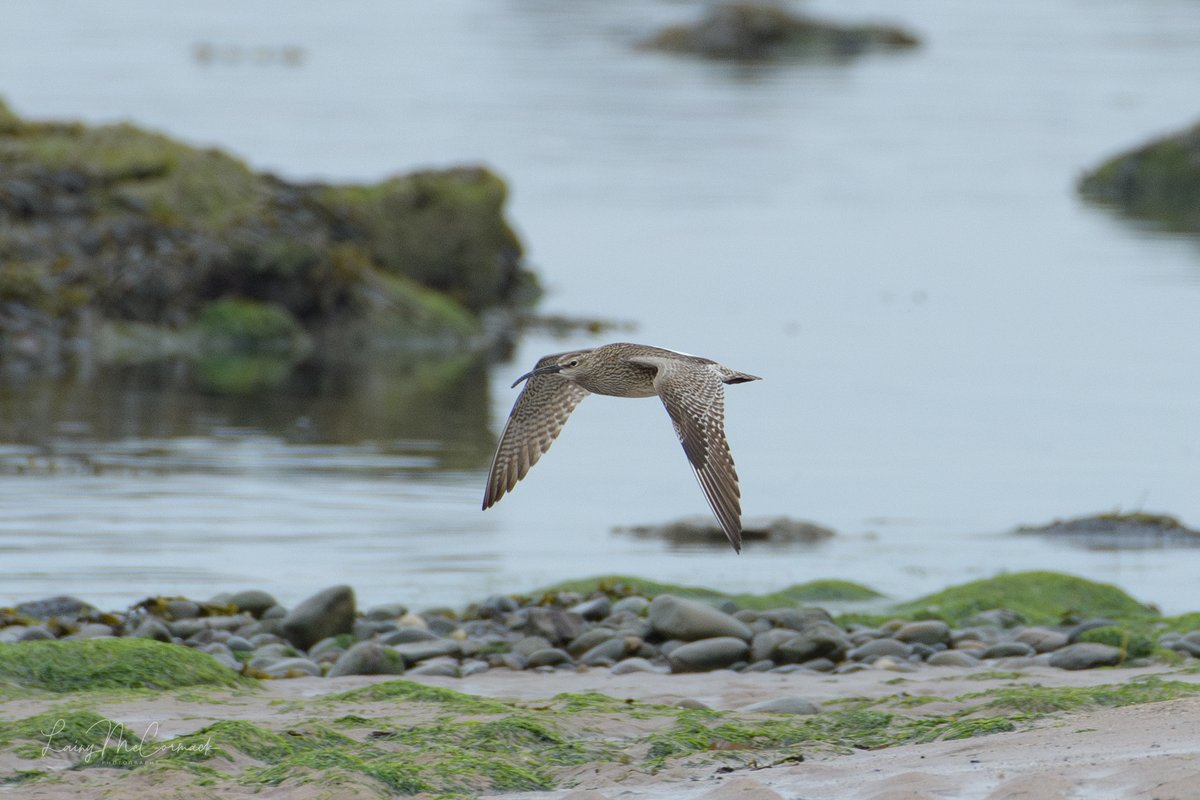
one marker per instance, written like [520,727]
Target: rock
[92,630]
[548,657]
[368,658]
[387,612]
[880,648]
[1139,530]
[442,668]
[708,654]
[370,628]
[633,604]
[555,624]
[749,31]
[289,668]
[999,617]
[253,601]
[152,628]
[703,530]
[1008,650]
[784,705]
[472,666]
[595,609]
[605,653]
[797,619]
[766,644]
[818,665]
[1085,655]
[327,613]
[62,607]
[497,606]
[1043,640]
[1088,625]
[952,658]
[822,640]
[406,635]
[929,631]
[414,652]
[12,634]
[274,650]
[586,641]
[637,664]
[676,618]
[530,645]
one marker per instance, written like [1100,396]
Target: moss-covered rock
[1159,181]
[758,31]
[107,228]
[818,591]
[1039,597]
[1119,531]
[72,666]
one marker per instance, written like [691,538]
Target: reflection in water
[430,413]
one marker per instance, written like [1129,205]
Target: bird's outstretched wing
[533,424]
[694,396]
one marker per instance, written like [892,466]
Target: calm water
[952,344]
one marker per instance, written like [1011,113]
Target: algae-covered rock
[1131,531]
[87,664]
[166,250]
[1159,181]
[757,31]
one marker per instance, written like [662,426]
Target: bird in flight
[691,388]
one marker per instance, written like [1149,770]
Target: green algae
[1042,700]
[1131,643]
[97,664]
[1039,597]
[402,691]
[798,594]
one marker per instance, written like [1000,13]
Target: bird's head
[568,365]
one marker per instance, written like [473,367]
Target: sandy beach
[1141,750]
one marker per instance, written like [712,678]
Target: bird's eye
[574,362]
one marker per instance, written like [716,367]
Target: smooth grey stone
[206,636]
[186,628]
[414,652]
[369,628]
[879,648]
[952,658]
[227,660]
[1085,655]
[1008,650]
[325,645]
[386,612]
[443,669]
[819,665]
[633,603]
[692,703]
[497,605]
[472,666]
[152,628]
[291,668]
[530,645]
[595,609]
[784,705]
[926,631]
[765,665]
[922,651]
[637,664]
[327,613]
[1042,640]
[275,650]
[213,648]
[1088,624]
[788,669]
[259,639]
[13,633]
[183,609]
[368,658]
[92,630]
[1183,645]
[605,653]
[766,644]
[1014,662]
[253,601]
[1192,636]
[512,661]
[329,656]
[678,618]
[61,606]
[37,633]
[586,641]
[708,654]
[796,619]
[548,657]
[668,646]
[440,625]
[555,624]
[819,640]
[406,635]
[275,612]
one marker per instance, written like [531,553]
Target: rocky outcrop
[130,245]
[763,31]
[1134,531]
[1159,181]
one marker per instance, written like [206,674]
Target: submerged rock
[1159,181]
[1135,531]
[758,31]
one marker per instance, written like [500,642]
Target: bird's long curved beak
[549,369]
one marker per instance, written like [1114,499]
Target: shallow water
[952,343]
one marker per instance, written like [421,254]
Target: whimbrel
[690,387]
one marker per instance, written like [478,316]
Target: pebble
[784,705]
[406,635]
[1007,650]
[607,652]
[368,658]
[152,628]
[253,601]
[708,654]
[1043,640]
[414,652]
[287,667]
[60,607]
[92,630]
[637,664]
[633,604]
[952,658]
[327,613]
[548,657]
[880,648]
[1085,655]
[677,618]
[928,632]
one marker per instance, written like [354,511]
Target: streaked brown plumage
[691,388]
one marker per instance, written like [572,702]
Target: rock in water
[326,613]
